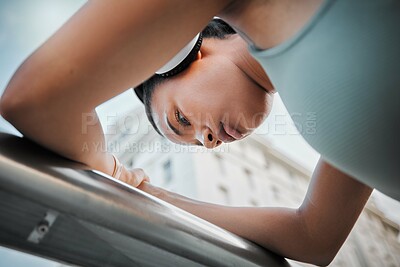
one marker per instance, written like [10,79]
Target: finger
[143,175]
[137,177]
[144,186]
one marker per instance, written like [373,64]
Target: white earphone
[181,56]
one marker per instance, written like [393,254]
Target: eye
[181,119]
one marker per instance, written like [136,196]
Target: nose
[210,140]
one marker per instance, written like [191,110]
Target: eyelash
[181,119]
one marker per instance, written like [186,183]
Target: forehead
[193,89]
[166,100]
[160,103]
[162,96]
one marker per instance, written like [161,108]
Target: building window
[221,163]
[275,191]
[254,202]
[250,178]
[167,172]
[224,194]
[130,163]
[267,163]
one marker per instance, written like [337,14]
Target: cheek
[256,109]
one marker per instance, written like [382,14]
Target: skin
[312,233]
[103,47]
[196,103]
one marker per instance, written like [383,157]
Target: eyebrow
[176,131]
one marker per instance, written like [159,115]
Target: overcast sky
[25,24]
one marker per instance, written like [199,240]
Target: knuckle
[133,180]
[138,176]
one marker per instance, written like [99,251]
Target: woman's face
[217,99]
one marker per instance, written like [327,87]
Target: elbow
[318,247]
[322,259]
[7,106]
[317,254]
[10,106]
[20,98]
[16,106]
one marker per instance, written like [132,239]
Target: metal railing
[58,209]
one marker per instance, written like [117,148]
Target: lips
[228,134]
[232,132]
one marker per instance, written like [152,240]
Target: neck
[234,48]
[267,23]
[249,65]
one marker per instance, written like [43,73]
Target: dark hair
[216,28]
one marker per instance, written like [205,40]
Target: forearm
[277,229]
[313,233]
[64,130]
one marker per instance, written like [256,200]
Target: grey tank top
[339,78]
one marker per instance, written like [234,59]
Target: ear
[199,55]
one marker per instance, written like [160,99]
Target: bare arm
[313,233]
[105,48]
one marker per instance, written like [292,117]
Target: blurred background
[270,168]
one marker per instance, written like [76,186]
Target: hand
[133,177]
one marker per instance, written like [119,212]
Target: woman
[337,59]
[223,90]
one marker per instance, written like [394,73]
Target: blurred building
[245,173]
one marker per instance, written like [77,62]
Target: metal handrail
[60,209]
